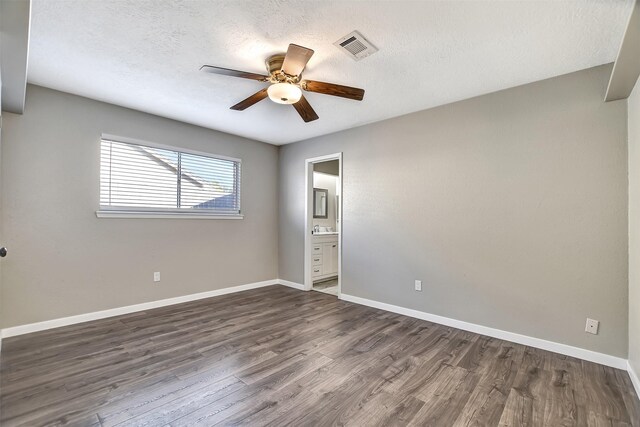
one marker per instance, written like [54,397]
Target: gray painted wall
[511,207]
[65,261]
[634,228]
[1,237]
[15,21]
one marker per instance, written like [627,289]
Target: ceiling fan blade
[246,103]
[233,73]
[304,109]
[333,89]
[296,59]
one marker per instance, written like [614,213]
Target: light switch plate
[418,285]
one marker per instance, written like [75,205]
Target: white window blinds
[136,177]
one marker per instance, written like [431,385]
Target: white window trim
[161,215]
[150,213]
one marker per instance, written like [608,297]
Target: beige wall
[510,207]
[634,228]
[65,261]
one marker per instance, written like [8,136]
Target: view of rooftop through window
[139,177]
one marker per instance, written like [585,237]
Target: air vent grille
[356,46]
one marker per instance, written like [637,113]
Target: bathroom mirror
[320,197]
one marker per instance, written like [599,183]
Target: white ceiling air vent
[356,46]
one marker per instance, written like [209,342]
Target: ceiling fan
[286,84]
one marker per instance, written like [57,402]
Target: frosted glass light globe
[284,93]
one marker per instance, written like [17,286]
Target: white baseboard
[293,285]
[80,318]
[634,378]
[580,353]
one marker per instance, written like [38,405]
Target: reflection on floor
[328,286]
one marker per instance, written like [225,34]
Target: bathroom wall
[327,182]
[332,167]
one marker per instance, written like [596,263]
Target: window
[140,180]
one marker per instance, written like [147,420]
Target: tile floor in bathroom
[327,286]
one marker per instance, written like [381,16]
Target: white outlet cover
[418,285]
[592,326]
[156,276]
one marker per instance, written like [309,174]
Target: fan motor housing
[274,63]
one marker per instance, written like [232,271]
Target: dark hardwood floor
[277,356]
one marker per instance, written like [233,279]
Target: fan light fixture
[284,93]
[285,76]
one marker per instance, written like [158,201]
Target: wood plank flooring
[276,356]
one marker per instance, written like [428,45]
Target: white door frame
[308,214]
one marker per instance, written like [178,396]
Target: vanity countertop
[326,233]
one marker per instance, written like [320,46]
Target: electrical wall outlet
[156,276]
[592,326]
[418,285]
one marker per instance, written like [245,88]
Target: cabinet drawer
[316,260]
[316,248]
[316,271]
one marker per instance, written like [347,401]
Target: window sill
[166,215]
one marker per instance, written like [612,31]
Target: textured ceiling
[146,54]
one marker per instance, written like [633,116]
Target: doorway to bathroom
[323,220]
